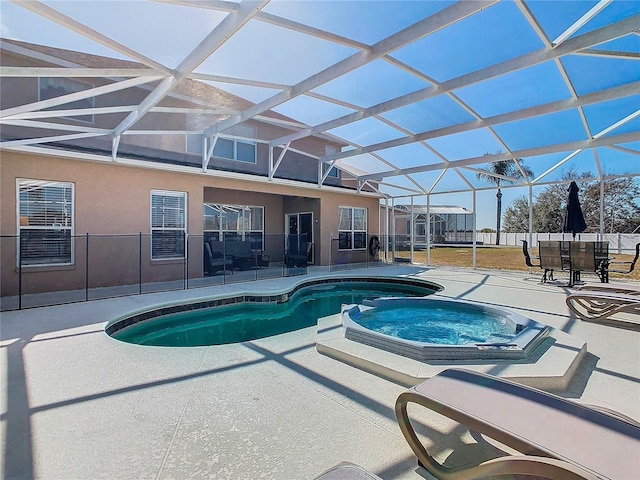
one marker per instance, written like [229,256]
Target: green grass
[495,258]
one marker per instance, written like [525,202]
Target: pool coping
[529,334]
[550,367]
[278,296]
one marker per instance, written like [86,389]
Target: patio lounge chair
[592,305]
[611,288]
[557,438]
[347,471]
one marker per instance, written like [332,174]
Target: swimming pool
[249,317]
[442,329]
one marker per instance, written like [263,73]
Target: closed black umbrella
[573,218]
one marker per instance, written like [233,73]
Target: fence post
[185,269]
[330,251]
[86,268]
[140,263]
[619,243]
[19,272]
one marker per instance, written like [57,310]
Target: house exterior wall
[114,199]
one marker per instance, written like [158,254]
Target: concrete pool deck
[81,405]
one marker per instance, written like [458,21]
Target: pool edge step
[552,369]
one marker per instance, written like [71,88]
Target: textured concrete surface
[80,405]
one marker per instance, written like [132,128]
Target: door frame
[287,232]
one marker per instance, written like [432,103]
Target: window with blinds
[45,222]
[352,228]
[168,224]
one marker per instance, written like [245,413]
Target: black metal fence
[378,251]
[51,270]
[43,271]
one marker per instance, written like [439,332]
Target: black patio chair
[550,255]
[214,258]
[607,264]
[297,252]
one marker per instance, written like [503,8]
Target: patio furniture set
[229,255]
[577,257]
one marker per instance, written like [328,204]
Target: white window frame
[238,135]
[22,217]
[351,232]
[334,172]
[163,228]
[242,232]
[236,141]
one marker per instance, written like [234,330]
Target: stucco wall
[115,199]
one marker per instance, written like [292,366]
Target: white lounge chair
[611,288]
[557,438]
[347,471]
[600,305]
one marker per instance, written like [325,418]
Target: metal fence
[43,271]
[376,251]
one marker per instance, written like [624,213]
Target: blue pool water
[440,323]
[436,328]
[249,321]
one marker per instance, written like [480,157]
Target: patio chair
[347,471]
[214,258]
[582,258]
[297,252]
[600,306]
[606,266]
[550,254]
[556,438]
[243,257]
[527,261]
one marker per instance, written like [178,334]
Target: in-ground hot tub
[441,329]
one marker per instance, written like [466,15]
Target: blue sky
[261,51]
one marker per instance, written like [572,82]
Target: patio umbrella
[573,218]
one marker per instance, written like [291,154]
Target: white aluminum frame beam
[581,22]
[216,38]
[55,16]
[603,95]
[72,97]
[529,152]
[586,40]
[35,72]
[399,39]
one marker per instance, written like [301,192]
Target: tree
[516,217]
[621,209]
[500,173]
